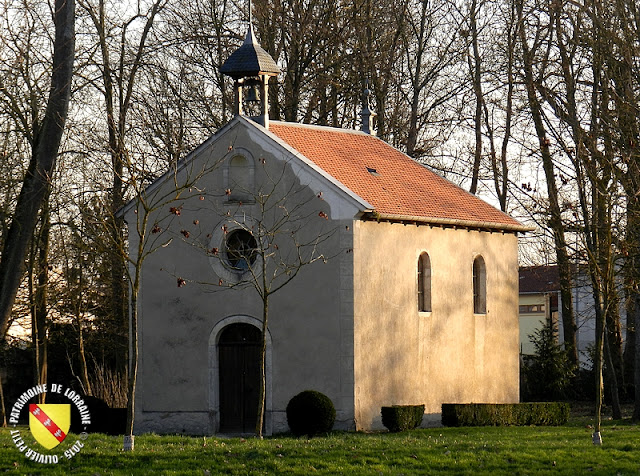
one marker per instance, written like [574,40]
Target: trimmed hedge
[503,414]
[310,413]
[402,417]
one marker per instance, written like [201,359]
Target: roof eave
[449,222]
[250,74]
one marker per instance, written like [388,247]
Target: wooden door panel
[239,370]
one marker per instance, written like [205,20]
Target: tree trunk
[476,73]
[613,381]
[84,371]
[636,375]
[141,231]
[555,217]
[633,299]
[39,311]
[633,292]
[599,382]
[262,396]
[614,340]
[501,180]
[37,181]
[3,410]
[128,444]
[117,226]
[629,355]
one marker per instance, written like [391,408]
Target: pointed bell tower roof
[367,114]
[249,60]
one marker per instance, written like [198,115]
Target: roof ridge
[321,127]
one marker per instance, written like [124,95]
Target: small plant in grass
[310,413]
[402,417]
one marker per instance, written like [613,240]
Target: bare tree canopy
[46,142]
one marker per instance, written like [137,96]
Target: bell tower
[251,67]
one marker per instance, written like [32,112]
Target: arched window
[424,283]
[479,286]
[240,179]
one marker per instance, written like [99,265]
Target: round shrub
[310,413]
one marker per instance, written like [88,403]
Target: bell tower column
[264,100]
[237,97]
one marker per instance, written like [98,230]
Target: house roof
[539,279]
[385,183]
[398,187]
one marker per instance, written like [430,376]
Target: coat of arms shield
[49,423]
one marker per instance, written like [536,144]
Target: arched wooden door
[239,364]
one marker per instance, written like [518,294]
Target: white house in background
[540,300]
[539,289]
[418,304]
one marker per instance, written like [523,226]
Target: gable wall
[311,338]
[448,355]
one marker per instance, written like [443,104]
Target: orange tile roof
[396,185]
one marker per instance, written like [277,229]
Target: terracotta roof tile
[391,181]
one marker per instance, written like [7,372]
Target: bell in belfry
[252,95]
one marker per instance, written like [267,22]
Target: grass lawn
[486,450]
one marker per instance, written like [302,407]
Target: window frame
[234,257]
[232,174]
[479,285]
[218,242]
[424,283]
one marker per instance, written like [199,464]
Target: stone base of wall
[188,423]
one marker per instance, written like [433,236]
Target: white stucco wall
[311,321]
[448,355]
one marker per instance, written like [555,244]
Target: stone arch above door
[214,371]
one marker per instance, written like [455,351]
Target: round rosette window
[240,249]
[234,249]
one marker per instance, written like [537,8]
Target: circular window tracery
[240,246]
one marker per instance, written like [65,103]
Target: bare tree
[587,50]
[38,274]
[118,86]
[556,224]
[432,45]
[286,231]
[37,181]
[493,39]
[144,239]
